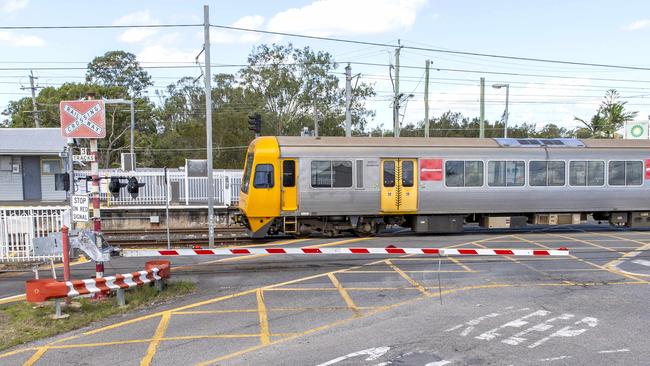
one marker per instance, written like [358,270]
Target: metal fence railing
[181,189]
[20,225]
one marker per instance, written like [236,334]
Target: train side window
[497,173]
[407,174]
[616,173]
[454,173]
[289,173]
[359,173]
[556,172]
[473,173]
[578,173]
[263,176]
[515,173]
[633,173]
[389,174]
[321,174]
[246,182]
[342,174]
[595,173]
[537,173]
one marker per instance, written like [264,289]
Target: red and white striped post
[97,221]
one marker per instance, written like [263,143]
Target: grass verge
[23,322]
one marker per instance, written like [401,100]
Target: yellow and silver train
[299,185]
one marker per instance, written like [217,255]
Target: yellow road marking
[10,299]
[467,269]
[413,282]
[153,345]
[616,272]
[36,356]
[413,271]
[344,294]
[264,319]
[620,260]
[587,242]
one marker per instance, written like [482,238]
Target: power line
[429,49]
[107,26]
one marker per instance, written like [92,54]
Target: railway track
[183,237]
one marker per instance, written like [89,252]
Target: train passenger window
[455,173]
[556,173]
[473,173]
[389,174]
[321,174]
[547,173]
[359,173]
[342,176]
[289,173]
[586,173]
[633,173]
[506,173]
[246,182]
[616,173]
[407,173]
[263,176]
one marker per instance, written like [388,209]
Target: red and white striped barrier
[45,289]
[391,250]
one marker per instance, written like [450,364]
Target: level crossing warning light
[134,187]
[114,186]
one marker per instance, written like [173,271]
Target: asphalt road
[590,308]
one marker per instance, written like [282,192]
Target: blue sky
[588,31]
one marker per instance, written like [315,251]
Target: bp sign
[636,130]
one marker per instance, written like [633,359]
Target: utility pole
[348,101]
[397,96]
[426,98]
[208,121]
[316,120]
[481,121]
[33,87]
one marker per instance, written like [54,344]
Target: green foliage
[609,118]
[119,68]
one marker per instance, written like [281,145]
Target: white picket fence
[20,225]
[190,190]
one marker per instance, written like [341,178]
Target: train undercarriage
[443,223]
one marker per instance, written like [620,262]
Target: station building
[29,159]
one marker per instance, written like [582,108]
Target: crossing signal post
[255,124]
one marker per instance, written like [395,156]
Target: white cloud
[136,35]
[637,25]
[9,6]
[161,52]
[345,17]
[20,40]
[228,36]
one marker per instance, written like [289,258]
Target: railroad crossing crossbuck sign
[83,119]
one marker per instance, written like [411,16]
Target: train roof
[295,141]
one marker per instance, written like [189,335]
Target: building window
[263,176]
[463,173]
[625,173]
[506,173]
[587,173]
[331,174]
[547,173]
[51,166]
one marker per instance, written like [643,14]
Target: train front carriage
[300,185]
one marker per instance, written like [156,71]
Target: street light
[505,114]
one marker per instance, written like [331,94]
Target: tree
[610,117]
[119,68]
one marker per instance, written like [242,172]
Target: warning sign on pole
[83,119]
[80,211]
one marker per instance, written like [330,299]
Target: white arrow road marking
[541,327]
[438,363]
[372,353]
[470,325]
[517,323]
[615,350]
[568,331]
[554,358]
[642,262]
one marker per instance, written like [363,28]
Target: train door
[399,186]
[289,185]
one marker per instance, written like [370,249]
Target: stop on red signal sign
[83,119]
